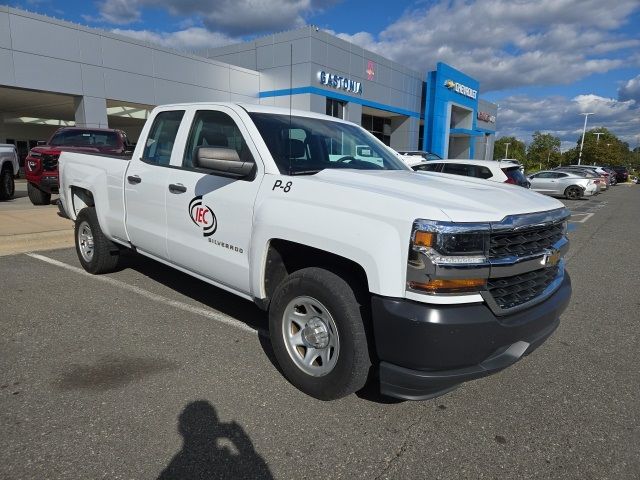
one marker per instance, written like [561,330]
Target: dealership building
[55,73]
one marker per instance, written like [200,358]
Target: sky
[543,62]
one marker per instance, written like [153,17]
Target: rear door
[210,217]
[146,184]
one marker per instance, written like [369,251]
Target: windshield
[302,145]
[85,138]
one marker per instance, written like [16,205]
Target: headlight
[451,243]
[445,245]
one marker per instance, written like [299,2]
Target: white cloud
[521,115]
[508,44]
[630,90]
[120,12]
[231,17]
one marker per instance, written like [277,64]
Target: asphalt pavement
[148,373]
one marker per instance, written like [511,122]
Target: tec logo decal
[203,216]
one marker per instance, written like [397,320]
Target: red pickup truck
[41,165]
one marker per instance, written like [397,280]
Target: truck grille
[50,162]
[525,242]
[509,292]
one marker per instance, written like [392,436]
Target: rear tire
[573,192]
[7,184]
[318,334]
[37,196]
[96,252]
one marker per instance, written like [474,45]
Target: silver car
[563,184]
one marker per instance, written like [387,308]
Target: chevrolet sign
[461,89]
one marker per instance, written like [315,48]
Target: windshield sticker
[202,216]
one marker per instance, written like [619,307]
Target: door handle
[133,179]
[177,188]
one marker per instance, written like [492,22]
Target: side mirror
[223,161]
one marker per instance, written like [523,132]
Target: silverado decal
[203,216]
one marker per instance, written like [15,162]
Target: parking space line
[586,216]
[211,314]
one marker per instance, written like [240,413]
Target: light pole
[584,130]
[597,134]
[506,151]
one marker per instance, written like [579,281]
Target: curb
[31,242]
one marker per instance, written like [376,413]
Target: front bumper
[426,350]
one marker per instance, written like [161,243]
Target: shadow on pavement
[230,304]
[202,292]
[212,450]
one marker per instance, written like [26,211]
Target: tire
[7,184]
[37,196]
[573,192]
[322,302]
[96,252]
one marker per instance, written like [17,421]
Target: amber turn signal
[450,286]
[424,239]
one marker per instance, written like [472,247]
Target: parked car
[363,265]
[421,154]
[41,165]
[493,170]
[580,169]
[613,177]
[563,184]
[622,173]
[9,168]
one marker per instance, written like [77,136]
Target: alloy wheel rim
[310,336]
[85,241]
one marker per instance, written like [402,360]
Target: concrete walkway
[26,228]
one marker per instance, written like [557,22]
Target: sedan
[563,184]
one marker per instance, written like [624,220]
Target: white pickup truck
[368,270]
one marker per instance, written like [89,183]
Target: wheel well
[285,257]
[81,198]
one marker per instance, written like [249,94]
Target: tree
[608,150]
[543,152]
[516,149]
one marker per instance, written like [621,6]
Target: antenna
[290,99]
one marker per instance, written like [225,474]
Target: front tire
[96,252]
[37,196]
[7,184]
[573,193]
[318,334]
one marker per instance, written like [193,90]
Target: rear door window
[161,137]
[459,169]
[428,167]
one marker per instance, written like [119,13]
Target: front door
[210,217]
[146,184]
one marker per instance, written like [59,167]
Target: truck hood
[460,199]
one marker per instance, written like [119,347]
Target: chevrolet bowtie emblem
[551,258]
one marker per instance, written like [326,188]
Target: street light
[584,131]
[598,136]
[506,151]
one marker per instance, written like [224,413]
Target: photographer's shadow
[212,449]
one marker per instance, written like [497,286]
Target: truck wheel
[37,196]
[7,185]
[318,335]
[96,253]
[573,193]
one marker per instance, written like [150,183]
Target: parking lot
[149,373]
